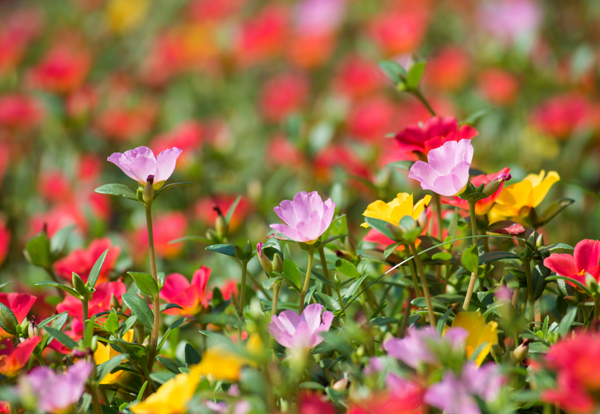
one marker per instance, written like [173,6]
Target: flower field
[299,206]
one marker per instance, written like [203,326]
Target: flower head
[140,164]
[433,134]
[306,217]
[13,360]
[479,333]
[192,297]
[300,331]
[584,260]
[446,171]
[19,304]
[225,364]
[396,209]
[81,261]
[106,352]
[485,205]
[55,393]
[515,201]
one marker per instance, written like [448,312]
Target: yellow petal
[403,207]
[479,333]
[378,210]
[540,191]
[420,206]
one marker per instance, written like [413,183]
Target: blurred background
[268,98]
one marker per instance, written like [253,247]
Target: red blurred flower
[372,119]
[13,360]
[560,116]
[448,69]
[16,32]
[192,297]
[498,86]
[99,302]
[89,167]
[401,397]
[282,153]
[55,186]
[338,157]
[19,304]
[310,51]
[206,213]
[59,217]
[433,134]
[314,403]
[263,37]
[4,240]
[186,136]
[167,227]
[81,102]
[19,111]
[125,124]
[63,69]
[229,289]
[357,77]
[399,32]
[283,95]
[216,11]
[584,260]
[81,261]
[485,205]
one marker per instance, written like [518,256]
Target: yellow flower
[124,15]
[396,209]
[516,200]
[105,352]
[172,397]
[479,333]
[224,364]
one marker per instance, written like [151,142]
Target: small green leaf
[231,209]
[443,256]
[191,355]
[381,226]
[117,190]
[140,309]
[67,289]
[226,249]
[105,368]
[292,274]
[60,238]
[566,322]
[415,73]
[145,283]
[393,70]
[191,238]
[112,323]
[51,318]
[329,302]
[38,250]
[470,259]
[391,249]
[8,320]
[61,337]
[95,272]
[494,256]
[346,268]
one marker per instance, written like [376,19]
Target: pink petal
[312,316]
[587,256]
[563,264]
[165,164]
[174,284]
[289,232]
[424,173]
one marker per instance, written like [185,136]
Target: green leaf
[351,290]
[393,71]
[38,250]
[231,209]
[67,289]
[60,238]
[145,282]
[191,238]
[105,368]
[311,385]
[112,323]
[415,73]
[553,209]
[441,324]
[88,329]
[169,186]
[61,337]
[474,117]
[329,302]
[169,364]
[391,249]
[140,309]
[401,165]
[381,226]
[171,328]
[292,274]
[422,303]
[443,256]
[494,256]
[346,268]
[51,318]
[128,324]
[8,320]
[226,249]
[470,259]
[268,283]
[191,355]
[95,272]
[570,280]
[321,278]
[161,377]
[117,190]
[566,322]
[329,240]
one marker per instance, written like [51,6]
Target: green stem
[421,98]
[54,278]
[276,287]
[425,286]
[156,302]
[473,274]
[413,272]
[311,253]
[242,296]
[596,307]
[530,291]
[86,314]
[325,270]
[440,233]
[259,286]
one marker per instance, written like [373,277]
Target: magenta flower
[584,260]
[300,331]
[455,395]
[307,217]
[446,171]
[55,392]
[140,163]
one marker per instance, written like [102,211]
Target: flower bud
[493,186]
[79,285]
[33,330]
[148,196]
[94,344]
[221,224]
[114,302]
[520,352]
[277,263]
[343,254]
[340,385]
[422,219]
[263,259]
[571,300]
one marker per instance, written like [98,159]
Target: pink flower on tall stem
[433,134]
[300,331]
[55,393]
[306,218]
[140,163]
[191,297]
[584,260]
[446,171]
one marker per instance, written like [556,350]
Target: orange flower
[12,359]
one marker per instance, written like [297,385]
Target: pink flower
[191,297]
[510,20]
[446,171]
[140,163]
[307,217]
[584,260]
[432,134]
[55,392]
[300,331]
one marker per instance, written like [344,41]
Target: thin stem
[405,315]
[276,287]
[425,286]
[413,272]
[259,286]
[596,307]
[421,98]
[156,302]
[530,292]
[311,253]
[440,234]
[473,274]
[86,314]
[325,270]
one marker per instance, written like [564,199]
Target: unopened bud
[493,186]
[33,330]
[114,302]
[336,279]
[94,344]
[571,300]
[340,385]
[360,351]
[520,352]
[148,196]
[263,259]
[220,223]
[422,219]
[79,285]
[343,254]
[277,263]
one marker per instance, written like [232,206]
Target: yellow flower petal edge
[105,352]
[480,332]
[396,209]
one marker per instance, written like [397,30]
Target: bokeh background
[268,98]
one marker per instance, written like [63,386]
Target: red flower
[399,32]
[192,297]
[55,187]
[81,261]
[313,403]
[230,289]
[283,153]
[16,33]
[205,210]
[561,115]
[433,134]
[4,240]
[13,360]
[584,260]
[124,124]
[263,36]
[358,77]
[337,156]
[19,304]
[81,102]
[214,11]
[62,70]
[283,95]
[167,227]
[309,51]
[485,205]
[99,302]
[448,69]
[19,111]
[372,119]
[498,86]
[186,136]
